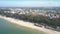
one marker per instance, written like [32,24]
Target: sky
[29,3]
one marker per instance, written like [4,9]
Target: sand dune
[30,25]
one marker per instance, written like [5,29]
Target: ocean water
[9,28]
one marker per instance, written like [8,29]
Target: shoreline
[29,25]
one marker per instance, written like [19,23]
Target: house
[53,16]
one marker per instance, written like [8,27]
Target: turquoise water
[10,28]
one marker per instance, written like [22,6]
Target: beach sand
[29,25]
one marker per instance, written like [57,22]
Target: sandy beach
[29,25]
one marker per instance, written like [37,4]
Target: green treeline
[34,19]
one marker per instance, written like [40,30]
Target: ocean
[9,28]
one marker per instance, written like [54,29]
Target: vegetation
[54,23]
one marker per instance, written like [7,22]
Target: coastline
[29,25]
